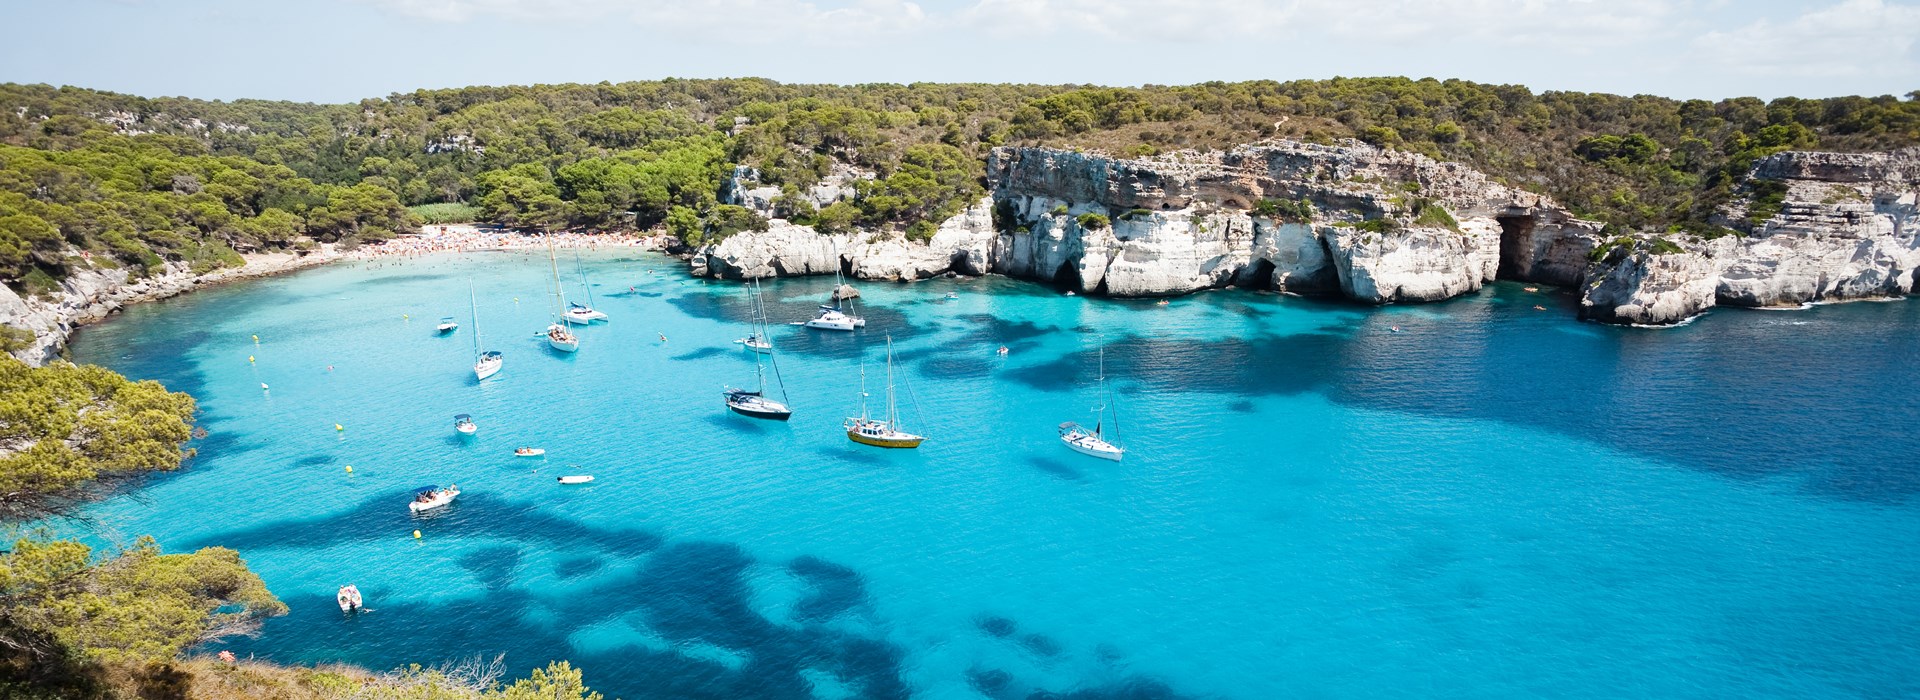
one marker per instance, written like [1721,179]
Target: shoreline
[91,295]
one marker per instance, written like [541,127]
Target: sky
[346,50]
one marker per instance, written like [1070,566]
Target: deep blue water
[1493,501]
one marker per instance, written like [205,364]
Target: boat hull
[830,325]
[536,452]
[756,412]
[582,479]
[896,443]
[1101,450]
[564,345]
[485,369]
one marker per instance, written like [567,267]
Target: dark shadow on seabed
[685,593]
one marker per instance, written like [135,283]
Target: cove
[1490,501]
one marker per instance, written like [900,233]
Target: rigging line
[766,336]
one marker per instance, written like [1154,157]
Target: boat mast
[583,277]
[474,303]
[863,389]
[893,413]
[1100,412]
[766,336]
[558,290]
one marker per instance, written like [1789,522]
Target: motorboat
[867,430]
[428,498]
[464,424]
[833,319]
[576,479]
[528,452]
[349,598]
[447,325]
[951,296]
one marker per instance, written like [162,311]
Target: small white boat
[428,498]
[559,338]
[528,452]
[952,296]
[349,598]
[832,319]
[446,326]
[464,424]
[755,343]
[576,479]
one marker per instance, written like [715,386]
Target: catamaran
[558,336]
[578,313]
[349,598]
[867,431]
[1095,443]
[486,363]
[756,403]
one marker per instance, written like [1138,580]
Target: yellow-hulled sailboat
[867,431]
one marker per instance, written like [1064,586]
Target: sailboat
[486,363]
[558,336]
[756,404]
[757,339]
[1094,443]
[578,313]
[867,431]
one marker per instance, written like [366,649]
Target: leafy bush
[1380,225]
[1059,210]
[1769,198]
[1428,214]
[1093,222]
[1295,211]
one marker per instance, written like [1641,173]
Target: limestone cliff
[1808,227]
[1374,225]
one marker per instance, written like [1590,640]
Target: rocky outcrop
[1293,217]
[89,294]
[1810,227]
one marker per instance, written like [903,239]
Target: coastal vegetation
[140,181]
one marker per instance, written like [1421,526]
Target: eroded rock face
[783,250]
[1640,286]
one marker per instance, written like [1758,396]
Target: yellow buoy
[338,426]
[256,340]
[406,317]
[349,469]
[249,358]
[416,534]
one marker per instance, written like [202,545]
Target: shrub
[1380,225]
[1059,210]
[1769,198]
[1430,215]
[1132,214]
[1662,246]
[1093,222]
[1296,211]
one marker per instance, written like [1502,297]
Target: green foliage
[1059,210]
[66,425]
[558,681]
[67,612]
[1430,215]
[445,213]
[1287,210]
[1604,250]
[1380,225]
[1662,246]
[1131,214]
[1093,222]
[14,338]
[1769,198]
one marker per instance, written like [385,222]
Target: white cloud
[1854,38]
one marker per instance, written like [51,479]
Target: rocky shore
[1377,226]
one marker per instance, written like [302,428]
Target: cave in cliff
[1259,275]
[1067,277]
[1516,246]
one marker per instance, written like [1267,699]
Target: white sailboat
[757,339]
[756,403]
[578,313]
[878,433]
[1095,443]
[559,337]
[486,363]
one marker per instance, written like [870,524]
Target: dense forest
[137,181]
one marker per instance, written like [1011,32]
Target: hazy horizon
[348,50]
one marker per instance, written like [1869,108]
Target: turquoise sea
[1493,501]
